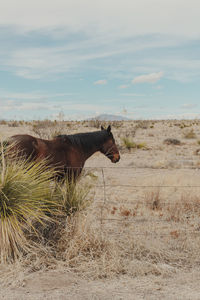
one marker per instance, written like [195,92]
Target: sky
[78,59]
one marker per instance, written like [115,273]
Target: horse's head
[109,147]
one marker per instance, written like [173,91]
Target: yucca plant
[25,200]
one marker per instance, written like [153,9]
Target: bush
[141,145]
[190,134]
[128,143]
[48,129]
[132,145]
[25,199]
[171,141]
[32,204]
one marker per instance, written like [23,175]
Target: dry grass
[49,129]
[190,134]
[141,231]
[157,235]
[90,250]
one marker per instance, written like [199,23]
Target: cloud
[15,106]
[100,82]
[149,78]
[35,96]
[181,116]
[189,106]
[40,105]
[134,95]
[92,16]
[76,52]
[123,86]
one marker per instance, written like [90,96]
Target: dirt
[159,163]
[61,285]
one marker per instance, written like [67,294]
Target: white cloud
[27,106]
[176,68]
[31,96]
[123,86]
[181,116]
[15,106]
[93,16]
[91,52]
[133,95]
[189,105]
[100,82]
[149,78]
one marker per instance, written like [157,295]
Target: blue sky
[137,58]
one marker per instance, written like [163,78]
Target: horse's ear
[102,128]
[109,129]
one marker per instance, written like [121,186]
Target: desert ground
[140,236]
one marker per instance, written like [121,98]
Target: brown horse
[66,153]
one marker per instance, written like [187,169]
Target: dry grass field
[140,236]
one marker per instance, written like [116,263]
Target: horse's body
[66,153]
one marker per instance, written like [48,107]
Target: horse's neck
[91,152]
[91,147]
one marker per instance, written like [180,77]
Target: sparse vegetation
[49,129]
[190,134]
[72,197]
[142,222]
[96,123]
[171,141]
[30,201]
[141,145]
[128,144]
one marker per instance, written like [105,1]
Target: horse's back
[36,148]
[23,145]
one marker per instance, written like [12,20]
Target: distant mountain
[107,117]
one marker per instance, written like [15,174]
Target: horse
[67,154]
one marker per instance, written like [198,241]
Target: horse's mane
[86,140]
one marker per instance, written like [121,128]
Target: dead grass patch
[190,134]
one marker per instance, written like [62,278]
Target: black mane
[88,139]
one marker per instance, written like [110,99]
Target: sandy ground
[61,285]
[158,164]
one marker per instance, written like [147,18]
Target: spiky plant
[25,200]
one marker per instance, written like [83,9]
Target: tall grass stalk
[71,196]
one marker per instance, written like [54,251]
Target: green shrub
[132,145]
[128,143]
[141,145]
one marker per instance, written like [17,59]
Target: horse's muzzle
[115,158]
